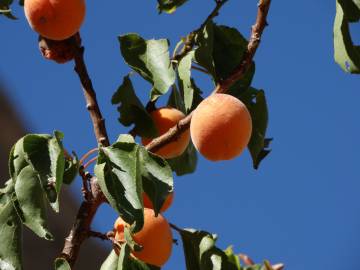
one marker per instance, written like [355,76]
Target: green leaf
[220,50]
[126,262]
[157,178]
[132,111]
[46,155]
[186,163]
[346,54]
[202,254]
[71,169]
[111,262]
[205,47]
[175,100]
[32,202]
[118,173]
[124,170]
[5,9]
[130,241]
[233,258]
[62,264]
[150,58]
[169,6]
[11,230]
[351,9]
[186,85]
[255,101]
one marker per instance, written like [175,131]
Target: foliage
[346,54]
[39,164]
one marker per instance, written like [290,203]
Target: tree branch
[94,197]
[223,86]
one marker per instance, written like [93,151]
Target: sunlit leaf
[151,59]
[169,6]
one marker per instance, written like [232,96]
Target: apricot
[155,238]
[221,127]
[165,206]
[55,19]
[164,119]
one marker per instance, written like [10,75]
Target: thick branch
[222,87]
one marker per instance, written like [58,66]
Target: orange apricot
[168,201]
[155,238]
[221,127]
[164,119]
[55,19]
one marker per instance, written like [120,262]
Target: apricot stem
[85,156]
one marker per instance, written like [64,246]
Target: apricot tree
[136,179]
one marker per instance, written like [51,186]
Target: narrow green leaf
[186,163]
[129,239]
[126,138]
[132,110]
[124,262]
[157,178]
[232,257]
[346,54]
[169,6]
[151,59]
[61,264]
[11,231]
[32,202]
[118,172]
[111,262]
[184,70]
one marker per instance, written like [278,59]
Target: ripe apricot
[55,19]
[221,127]
[155,238]
[166,205]
[164,119]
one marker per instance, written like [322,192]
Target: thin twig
[176,228]
[84,157]
[190,39]
[103,236]
[87,164]
[222,87]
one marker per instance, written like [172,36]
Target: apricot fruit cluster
[155,238]
[55,19]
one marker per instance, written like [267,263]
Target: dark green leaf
[346,54]
[233,258]
[186,163]
[201,253]
[111,262]
[5,9]
[205,47]
[157,178]
[62,264]
[132,111]
[71,169]
[169,6]
[175,100]
[150,58]
[46,155]
[32,202]
[11,230]
[119,175]
[255,101]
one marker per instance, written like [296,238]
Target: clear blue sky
[302,207]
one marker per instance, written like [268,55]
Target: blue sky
[302,207]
